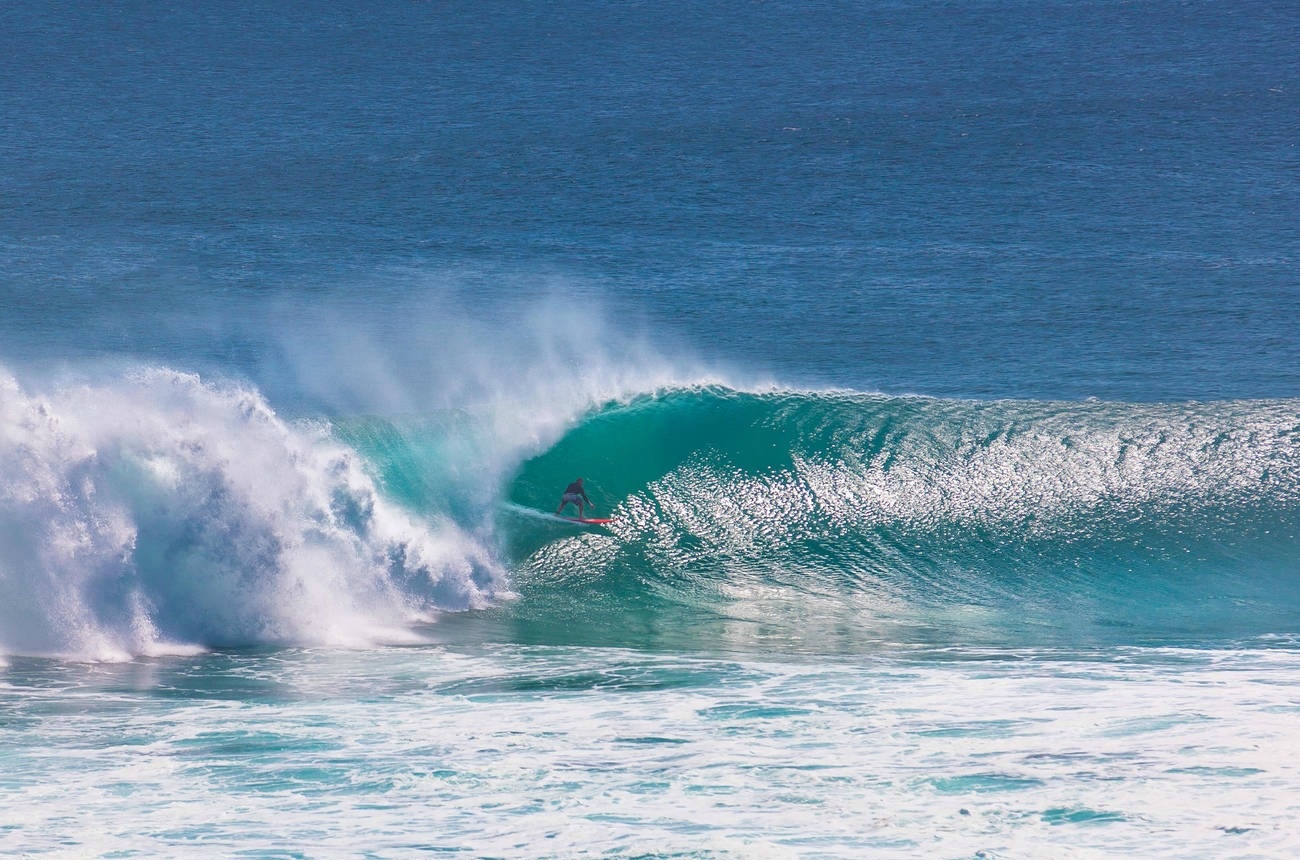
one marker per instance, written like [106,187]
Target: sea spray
[524,369]
[157,512]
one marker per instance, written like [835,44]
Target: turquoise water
[937,364]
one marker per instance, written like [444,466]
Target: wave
[158,513]
[1048,518]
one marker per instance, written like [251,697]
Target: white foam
[566,752]
[157,513]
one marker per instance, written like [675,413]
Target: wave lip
[160,513]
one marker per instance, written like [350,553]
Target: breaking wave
[158,513]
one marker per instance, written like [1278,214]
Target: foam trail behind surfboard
[531,513]
[545,516]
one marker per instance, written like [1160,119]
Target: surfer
[574,494]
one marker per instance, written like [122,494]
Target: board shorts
[571,499]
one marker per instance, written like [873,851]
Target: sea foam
[159,512]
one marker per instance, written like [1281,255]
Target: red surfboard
[587,521]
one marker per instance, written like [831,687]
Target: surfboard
[586,521]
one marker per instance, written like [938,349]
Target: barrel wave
[787,518]
[154,511]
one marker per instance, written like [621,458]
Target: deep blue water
[984,199]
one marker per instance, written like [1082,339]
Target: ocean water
[937,362]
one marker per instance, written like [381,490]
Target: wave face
[159,513]
[825,516]
[156,512]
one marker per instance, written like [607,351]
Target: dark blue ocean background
[984,199]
